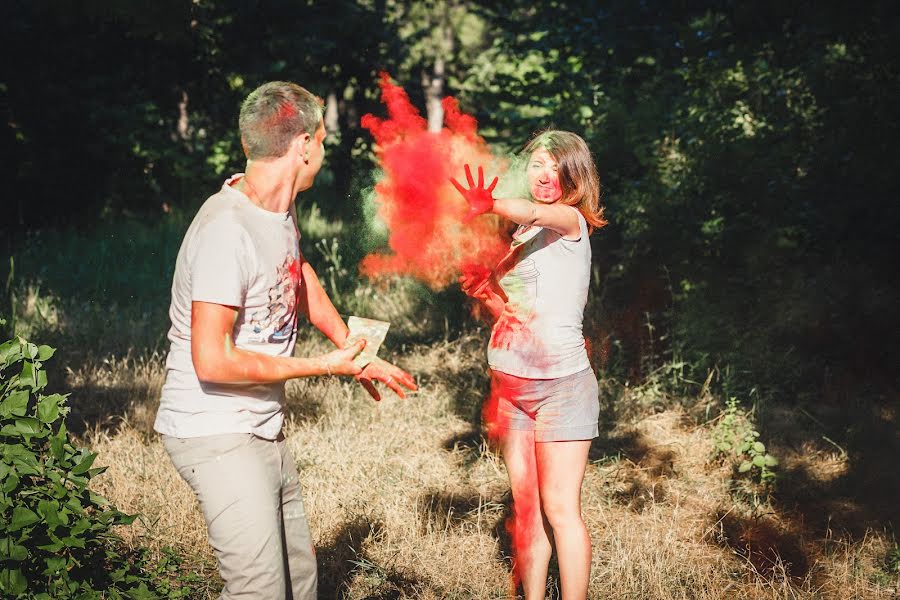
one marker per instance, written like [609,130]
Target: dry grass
[405,501]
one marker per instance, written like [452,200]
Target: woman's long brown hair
[577,172]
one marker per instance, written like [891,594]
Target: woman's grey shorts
[557,410]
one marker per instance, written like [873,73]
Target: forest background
[748,178]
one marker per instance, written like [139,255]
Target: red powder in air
[422,211]
[429,241]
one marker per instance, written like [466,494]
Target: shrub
[736,440]
[56,537]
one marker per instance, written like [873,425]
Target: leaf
[759,461]
[84,464]
[141,593]
[13,582]
[48,409]
[55,564]
[16,404]
[5,469]
[56,447]
[9,548]
[73,542]
[744,467]
[30,350]
[22,517]
[10,352]
[45,352]
[41,380]
[26,377]
[74,504]
[30,427]
[80,526]
[58,442]
[54,546]
[759,447]
[98,500]
[771,461]
[49,510]
[11,451]
[9,430]
[60,491]
[126,519]
[10,483]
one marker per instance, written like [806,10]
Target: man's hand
[340,362]
[479,197]
[388,374]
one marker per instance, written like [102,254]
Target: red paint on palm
[423,213]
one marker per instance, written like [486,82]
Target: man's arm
[318,308]
[315,304]
[217,360]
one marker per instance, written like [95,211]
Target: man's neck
[269,185]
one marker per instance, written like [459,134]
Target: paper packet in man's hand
[374,333]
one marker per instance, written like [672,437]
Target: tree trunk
[434,85]
[332,124]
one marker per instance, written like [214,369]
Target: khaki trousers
[249,493]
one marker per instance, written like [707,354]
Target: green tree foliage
[745,149]
[746,156]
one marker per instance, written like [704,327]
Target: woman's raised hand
[479,197]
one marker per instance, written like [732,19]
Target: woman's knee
[562,515]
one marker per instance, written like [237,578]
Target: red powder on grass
[422,211]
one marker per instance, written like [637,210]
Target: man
[239,281]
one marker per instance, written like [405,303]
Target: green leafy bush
[736,440]
[56,538]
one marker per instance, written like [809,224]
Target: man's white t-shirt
[236,254]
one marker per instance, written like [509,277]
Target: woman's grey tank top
[539,334]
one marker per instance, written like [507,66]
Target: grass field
[406,500]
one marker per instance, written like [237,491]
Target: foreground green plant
[736,440]
[56,538]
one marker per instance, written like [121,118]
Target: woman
[543,408]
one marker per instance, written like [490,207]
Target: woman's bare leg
[560,467]
[529,529]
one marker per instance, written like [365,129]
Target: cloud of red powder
[415,200]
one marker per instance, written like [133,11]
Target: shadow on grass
[771,548]
[343,562]
[865,494]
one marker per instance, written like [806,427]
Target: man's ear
[301,146]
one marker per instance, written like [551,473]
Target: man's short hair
[273,115]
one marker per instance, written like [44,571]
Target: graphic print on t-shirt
[276,321]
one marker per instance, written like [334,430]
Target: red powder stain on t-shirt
[420,208]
